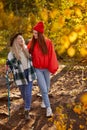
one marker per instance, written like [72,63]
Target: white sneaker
[85,90]
[49,112]
[43,105]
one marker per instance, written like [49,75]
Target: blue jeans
[26,92]
[43,78]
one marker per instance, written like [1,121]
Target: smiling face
[35,34]
[20,40]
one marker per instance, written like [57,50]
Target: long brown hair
[42,43]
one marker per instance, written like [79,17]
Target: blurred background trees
[65,24]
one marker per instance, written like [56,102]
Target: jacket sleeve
[53,61]
[8,63]
[11,61]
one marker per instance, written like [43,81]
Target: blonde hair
[16,49]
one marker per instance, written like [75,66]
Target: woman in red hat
[45,62]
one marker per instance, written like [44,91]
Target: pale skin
[35,34]
[21,42]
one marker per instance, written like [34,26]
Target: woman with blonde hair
[19,61]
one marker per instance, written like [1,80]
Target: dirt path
[66,85]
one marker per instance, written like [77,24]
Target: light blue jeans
[43,78]
[26,92]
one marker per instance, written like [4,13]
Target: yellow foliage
[60,120]
[78,12]
[81,126]
[67,13]
[1,6]
[50,119]
[83,99]
[71,51]
[11,16]
[77,109]
[44,14]
[84,108]
[37,1]
[54,27]
[73,36]
[53,13]
[2,61]
[80,29]
[28,28]
[83,52]
[60,50]
[1,24]
[70,0]
[85,28]
[70,129]
[61,21]
[59,109]
[59,125]
[80,2]
[65,41]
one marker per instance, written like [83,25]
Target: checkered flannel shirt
[18,71]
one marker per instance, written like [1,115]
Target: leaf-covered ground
[67,86]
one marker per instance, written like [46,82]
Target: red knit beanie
[39,27]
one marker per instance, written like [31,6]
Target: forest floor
[67,85]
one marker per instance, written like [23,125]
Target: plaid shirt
[18,71]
